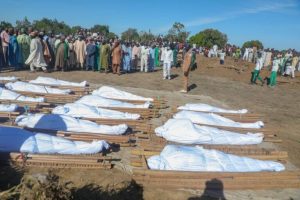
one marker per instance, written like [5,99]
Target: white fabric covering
[214,119]
[10,95]
[67,123]
[56,82]
[8,78]
[94,100]
[19,140]
[185,132]
[208,108]
[83,110]
[113,93]
[8,107]
[183,158]
[28,87]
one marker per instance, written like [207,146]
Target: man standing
[13,49]
[273,75]
[152,58]
[24,46]
[5,42]
[188,63]
[167,62]
[127,57]
[246,54]
[136,54]
[156,55]
[104,55]
[116,58]
[258,67]
[62,54]
[36,57]
[90,55]
[79,48]
[144,58]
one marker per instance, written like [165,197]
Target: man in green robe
[24,46]
[104,56]
[156,57]
[175,52]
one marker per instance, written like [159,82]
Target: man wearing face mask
[36,57]
[79,48]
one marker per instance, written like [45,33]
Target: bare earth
[226,86]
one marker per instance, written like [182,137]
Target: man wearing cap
[275,67]
[13,49]
[116,58]
[79,48]
[167,58]
[62,54]
[24,46]
[5,42]
[90,55]
[36,57]
[126,57]
[104,56]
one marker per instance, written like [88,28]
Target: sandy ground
[226,86]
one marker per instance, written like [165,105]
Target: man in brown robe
[188,62]
[116,58]
[61,54]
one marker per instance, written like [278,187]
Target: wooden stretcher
[251,151]
[126,140]
[32,106]
[9,115]
[214,180]
[158,103]
[244,118]
[145,113]
[90,161]
[52,98]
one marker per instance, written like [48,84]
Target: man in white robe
[36,56]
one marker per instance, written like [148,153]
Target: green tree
[4,24]
[51,25]
[208,38]
[253,43]
[146,36]
[25,23]
[177,33]
[130,34]
[102,29]
[74,29]
[111,36]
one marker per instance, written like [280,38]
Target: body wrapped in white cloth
[8,107]
[28,87]
[183,158]
[214,119]
[10,95]
[208,108]
[67,123]
[185,132]
[94,100]
[56,82]
[86,111]
[113,93]
[19,140]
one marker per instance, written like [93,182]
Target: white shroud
[185,132]
[8,107]
[214,119]
[56,82]
[83,110]
[10,95]
[19,140]
[94,100]
[8,78]
[28,87]
[113,93]
[183,158]
[67,123]
[208,108]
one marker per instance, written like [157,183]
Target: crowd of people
[84,50]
